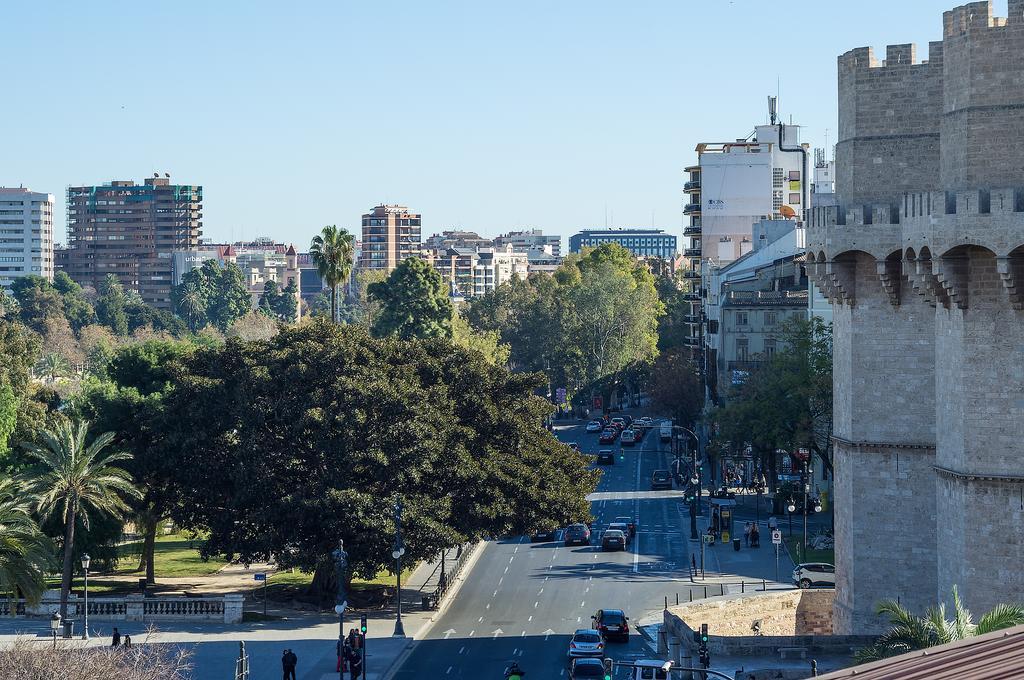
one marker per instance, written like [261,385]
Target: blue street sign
[260,577]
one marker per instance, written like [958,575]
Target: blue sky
[480,115]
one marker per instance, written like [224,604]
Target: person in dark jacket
[288,663]
[115,638]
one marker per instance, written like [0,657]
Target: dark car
[608,436]
[619,422]
[605,457]
[624,528]
[612,623]
[586,668]
[613,539]
[628,521]
[661,480]
[543,535]
[576,534]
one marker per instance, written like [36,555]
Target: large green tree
[131,405]
[280,303]
[212,295]
[76,477]
[305,456]
[333,252]
[110,306]
[414,302]
[675,386]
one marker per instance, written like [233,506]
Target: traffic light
[362,624]
[703,634]
[609,669]
[702,646]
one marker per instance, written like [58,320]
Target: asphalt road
[523,601]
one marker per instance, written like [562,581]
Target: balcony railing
[691,209]
[691,230]
[691,297]
[692,342]
[691,274]
[692,186]
[691,252]
[691,318]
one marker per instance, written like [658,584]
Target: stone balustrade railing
[225,608]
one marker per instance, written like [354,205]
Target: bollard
[743,586]
[677,599]
[705,592]
[814,668]
[666,602]
[691,595]
[764,585]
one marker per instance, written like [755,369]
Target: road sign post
[260,576]
[777,541]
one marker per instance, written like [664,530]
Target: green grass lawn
[297,579]
[175,555]
[795,545]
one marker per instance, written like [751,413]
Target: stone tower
[922,260]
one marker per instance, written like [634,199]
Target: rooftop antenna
[772,108]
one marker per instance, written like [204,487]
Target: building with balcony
[390,234]
[495,266]
[457,239]
[132,231]
[26,235]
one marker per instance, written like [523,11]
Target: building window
[742,349]
[770,318]
[741,319]
[794,199]
[769,349]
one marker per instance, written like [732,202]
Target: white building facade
[26,234]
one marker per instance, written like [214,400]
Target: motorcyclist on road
[513,672]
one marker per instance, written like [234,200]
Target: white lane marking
[471,633]
[462,649]
[516,550]
[546,578]
[530,618]
[506,570]
[541,591]
[448,671]
[494,594]
[510,559]
[500,580]
[535,604]
[587,590]
[582,604]
[488,605]
[578,619]
[523,634]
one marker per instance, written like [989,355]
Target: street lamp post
[694,480]
[397,553]
[85,618]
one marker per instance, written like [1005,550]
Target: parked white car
[595,426]
[814,574]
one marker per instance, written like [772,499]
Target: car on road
[619,422]
[576,534]
[608,436]
[646,421]
[586,668]
[629,437]
[814,574]
[543,535]
[611,623]
[661,480]
[623,527]
[629,522]
[586,642]
[605,457]
[613,539]
[595,426]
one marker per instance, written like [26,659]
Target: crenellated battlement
[978,15]
[896,57]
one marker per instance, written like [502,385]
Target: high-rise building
[643,243]
[26,234]
[457,239]
[390,234]
[526,240]
[133,231]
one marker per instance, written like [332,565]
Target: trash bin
[735,544]
[69,628]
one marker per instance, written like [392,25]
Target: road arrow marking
[497,633]
[548,633]
[448,633]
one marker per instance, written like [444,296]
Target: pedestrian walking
[115,638]
[127,641]
[288,663]
[355,663]
[746,533]
[773,523]
[755,537]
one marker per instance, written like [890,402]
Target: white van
[665,431]
[650,669]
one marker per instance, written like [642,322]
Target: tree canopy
[305,456]
[212,296]
[414,302]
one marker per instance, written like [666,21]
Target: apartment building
[526,240]
[495,266]
[133,231]
[643,243]
[457,239]
[390,234]
[26,234]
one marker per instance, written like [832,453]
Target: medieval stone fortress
[923,261]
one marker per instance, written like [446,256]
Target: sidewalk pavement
[311,636]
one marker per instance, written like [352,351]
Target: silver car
[586,642]
[815,574]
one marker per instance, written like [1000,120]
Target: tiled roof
[994,656]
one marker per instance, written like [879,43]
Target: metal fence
[433,600]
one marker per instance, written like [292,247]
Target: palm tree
[77,478]
[332,252]
[910,633]
[192,305]
[52,366]
[26,554]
